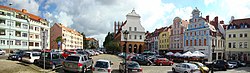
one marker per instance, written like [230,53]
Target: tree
[59,38]
[110,44]
[84,42]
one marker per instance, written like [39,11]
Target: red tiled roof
[32,16]
[68,29]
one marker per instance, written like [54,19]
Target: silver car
[77,63]
[186,68]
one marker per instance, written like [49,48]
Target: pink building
[176,36]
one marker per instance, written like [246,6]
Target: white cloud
[207,2]
[30,5]
[64,18]
[239,9]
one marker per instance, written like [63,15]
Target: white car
[30,57]
[2,52]
[102,66]
[186,68]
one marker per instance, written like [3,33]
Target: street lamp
[213,47]
[125,35]
[10,27]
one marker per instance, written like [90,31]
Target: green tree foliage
[59,38]
[110,44]
[85,42]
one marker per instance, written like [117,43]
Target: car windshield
[133,65]
[35,54]
[101,64]
[73,58]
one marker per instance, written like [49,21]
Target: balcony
[18,24]
[20,17]
[18,34]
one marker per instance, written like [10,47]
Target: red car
[163,61]
[67,53]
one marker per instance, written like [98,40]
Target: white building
[136,35]
[25,30]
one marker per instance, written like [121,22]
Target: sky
[96,17]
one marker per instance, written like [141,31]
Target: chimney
[114,28]
[221,22]
[216,22]
[207,18]
[24,11]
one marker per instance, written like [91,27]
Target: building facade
[176,36]
[202,36]
[164,40]
[237,39]
[25,30]
[92,43]
[72,39]
[136,36]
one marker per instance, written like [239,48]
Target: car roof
[103,60]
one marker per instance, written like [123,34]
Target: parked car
[30,57]
[232,64]
[239,63]
[203,68]
[218,64]
[132,67]
[100,52]
[142,60]
[17,55]
[77,63]
[186,68]
[102,66]
[52,59]
[2,52]
[163,61]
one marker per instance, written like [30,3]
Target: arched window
[194,42]
[190,43]
[186,42]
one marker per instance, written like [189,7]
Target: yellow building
[164,40]
[237,39]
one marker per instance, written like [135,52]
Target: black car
[17,55]
[239,63]
[52,59]
[132,67]
[219,64]
[142,60]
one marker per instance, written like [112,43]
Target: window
[140,37]
[205,42]
[234,35]
[24,43]
[199,42]
[186,42]
[18,24]
[240,45]
[234,44]
[10,42]
[17,42]
[31,27]
[25,26]
[37,36]
[130,28]
[2,42]
[245,44]
[37,28]
[229,35]
[2,32]
[31,44]
[204,32]
[194,42]
[135,36]
[135,29]
[129,36]
[37,44]
[245,35]
[24,35]
[2,21]
[191,43]
[241,35]
[191,34]
[18,33]
[229,45]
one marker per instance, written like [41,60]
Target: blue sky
[95,17]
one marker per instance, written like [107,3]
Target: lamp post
[10,27]
[125,33]
[213,47]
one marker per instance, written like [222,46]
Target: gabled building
[92,43]
[72,39]
[152,40]
[177,34]
[136,36]
[164,40]
[203,35]
[237,39]
[22,30]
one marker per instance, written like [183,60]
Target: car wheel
[173,70]
[148,64]
[53,66]
[160,64]
[185,72]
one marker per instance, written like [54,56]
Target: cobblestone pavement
[9,66]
